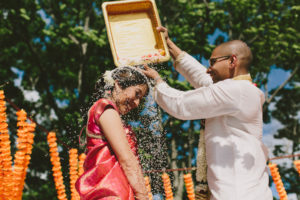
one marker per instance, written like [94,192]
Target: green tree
[62,48]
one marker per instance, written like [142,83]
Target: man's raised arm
[185,64]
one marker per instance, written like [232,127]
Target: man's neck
[243,77]
[240,71]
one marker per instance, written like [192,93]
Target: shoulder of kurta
[229,90]
[238,88]
[229,85]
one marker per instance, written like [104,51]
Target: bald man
[232,106]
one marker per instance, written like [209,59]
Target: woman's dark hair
[129,76]
[126,77]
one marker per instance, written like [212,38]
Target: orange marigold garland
[56,169]
[29,142]
[1,170]
[5,171]
[81,161]
[189,186]
[19,160]
[167,186]
[5,153]
[297,165]
[73,162]
[278,182]
[147,181]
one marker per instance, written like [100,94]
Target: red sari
[103,177]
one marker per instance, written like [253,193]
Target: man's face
[219,65]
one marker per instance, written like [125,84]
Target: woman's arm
[113,130]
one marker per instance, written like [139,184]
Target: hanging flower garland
[167,186]
[2,120]
[6,167]
[189,186]
[278,182]
[297,165]
[147,181]
[30,139]
[19,160]
[73,162]
[81,161]
[56,169]
[5,153]
[29,142]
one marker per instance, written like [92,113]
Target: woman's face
[128,98]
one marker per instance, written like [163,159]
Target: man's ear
[233,61]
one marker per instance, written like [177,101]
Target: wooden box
[131,29]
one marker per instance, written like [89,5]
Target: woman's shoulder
[95,112]
[101,105]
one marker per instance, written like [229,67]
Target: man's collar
[243,77]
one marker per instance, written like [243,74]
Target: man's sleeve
[202,103]
[192,70]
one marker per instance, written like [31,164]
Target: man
[232,106]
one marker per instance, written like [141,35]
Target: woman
[111,168]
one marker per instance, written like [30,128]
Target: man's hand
[151,73]
[173,49]
[164,31]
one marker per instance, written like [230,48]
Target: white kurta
[236,156]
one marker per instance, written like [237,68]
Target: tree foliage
[61,47]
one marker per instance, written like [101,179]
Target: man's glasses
[212,61]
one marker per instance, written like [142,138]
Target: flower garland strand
[201,173]
[147,181]
[2,111]
[19,160]
[5,153]
[73,163]
[1,168]
[29,142]
[56,169]
[189,186]
[167,186]
[6,170]
[277,180]
[297,165]
[81,161]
